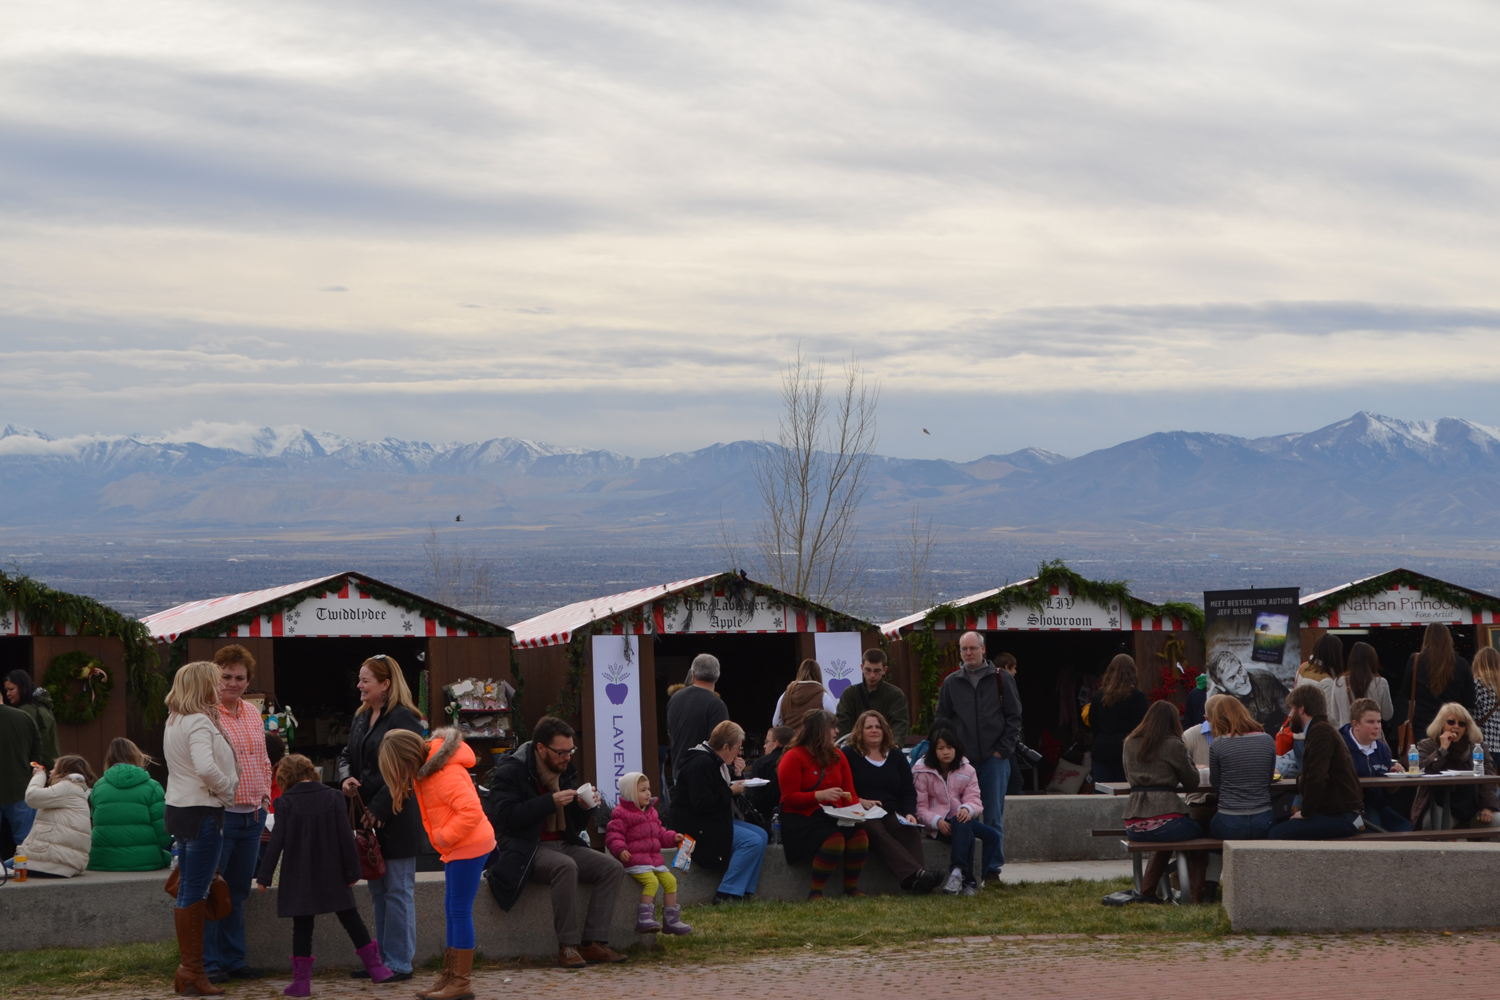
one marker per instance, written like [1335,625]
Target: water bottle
[776,829]
[1478,761]
[20,862]
[1411,760]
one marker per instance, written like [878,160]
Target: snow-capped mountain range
[1367,475]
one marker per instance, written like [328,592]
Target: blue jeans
[1181,828]
[994,778]
[1315,827]
[224,940]
[20,816]
[743,873]
[460,885]
[1388,820]
[1252,827]
[395,899]
[962,839]
[197,860]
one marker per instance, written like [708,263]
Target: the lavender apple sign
[616,690]
[838,673]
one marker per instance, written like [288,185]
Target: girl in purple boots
[315,845]
[636,836]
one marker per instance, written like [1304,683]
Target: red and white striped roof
[1064,613]
[336,606]
[708,616]
[1400,604]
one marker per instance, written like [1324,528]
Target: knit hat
[628,783]
[1202,682]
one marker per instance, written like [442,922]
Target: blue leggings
[461,883]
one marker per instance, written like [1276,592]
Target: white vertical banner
[839,653]
[617,712]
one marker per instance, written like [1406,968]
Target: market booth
[1390,611]
[1063,630]
[309,639]
[606,664]
[95,662]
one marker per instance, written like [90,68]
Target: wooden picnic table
[1444,783]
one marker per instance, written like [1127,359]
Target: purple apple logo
[838,673]
[616,689]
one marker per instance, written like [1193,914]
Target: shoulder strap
[1486,716]
[1411,706]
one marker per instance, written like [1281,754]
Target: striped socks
[826,862]
[856,849]
[851,850]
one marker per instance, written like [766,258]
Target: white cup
[586,795]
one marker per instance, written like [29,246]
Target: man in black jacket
[1332,800]
[693,712]
[983,706]
[539,827]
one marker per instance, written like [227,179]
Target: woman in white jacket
[58,843]
[201,779]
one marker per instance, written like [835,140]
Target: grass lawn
[724,932]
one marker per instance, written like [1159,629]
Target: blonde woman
[1487,693]
[1449,746]
[385,706]
[201,782]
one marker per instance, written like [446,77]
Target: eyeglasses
[1453,722]
[562,753]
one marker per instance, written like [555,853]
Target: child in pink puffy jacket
[949,807]
[636,836]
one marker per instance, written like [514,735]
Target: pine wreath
[79,685]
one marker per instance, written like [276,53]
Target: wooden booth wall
[88,740]
[544,670]
[452,658]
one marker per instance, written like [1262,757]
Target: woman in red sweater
[812,773]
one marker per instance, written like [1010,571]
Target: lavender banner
[839,653]
[617,713]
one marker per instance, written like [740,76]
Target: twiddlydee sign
[617,712]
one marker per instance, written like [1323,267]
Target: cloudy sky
[1059,223]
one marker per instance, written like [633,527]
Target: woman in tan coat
[803,695]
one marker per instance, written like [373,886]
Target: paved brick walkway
[1063,967]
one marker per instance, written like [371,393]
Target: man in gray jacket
[983,706]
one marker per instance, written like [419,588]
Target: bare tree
[916,591]
[461,579]
[813,482]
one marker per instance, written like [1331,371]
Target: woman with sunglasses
[1450,743]
[385,706]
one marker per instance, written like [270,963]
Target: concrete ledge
[103,908]
[1336,886]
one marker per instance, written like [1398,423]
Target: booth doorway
[753,672]
[317,678]
[15,654]
[1050,668]
[1395,644]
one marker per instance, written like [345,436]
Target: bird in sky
[460,517]
[927,432]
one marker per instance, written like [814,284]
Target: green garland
[230,624]
[46,610]
[738,588]
[923,640]
[69,703]
[515,703]
[1429,586]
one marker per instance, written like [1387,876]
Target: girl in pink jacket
[636,836]
[949,806]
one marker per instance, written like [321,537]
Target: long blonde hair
[385,668]
[195,691]
[1487,667]
[402,754]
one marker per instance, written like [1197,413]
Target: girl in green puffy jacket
[129,815]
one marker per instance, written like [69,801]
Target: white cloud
[1086,197]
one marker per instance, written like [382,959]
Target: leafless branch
[914,559]
[813,482]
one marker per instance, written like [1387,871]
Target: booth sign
[617,712]
[1402,606]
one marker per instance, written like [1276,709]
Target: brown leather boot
[191,979]
[461,963]
[443,977]
[568,957]
[1197,866]
[1156,867]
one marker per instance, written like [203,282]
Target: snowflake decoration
[406,625]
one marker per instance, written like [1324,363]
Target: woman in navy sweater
[882,775]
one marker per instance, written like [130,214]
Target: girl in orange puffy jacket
[438,773]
